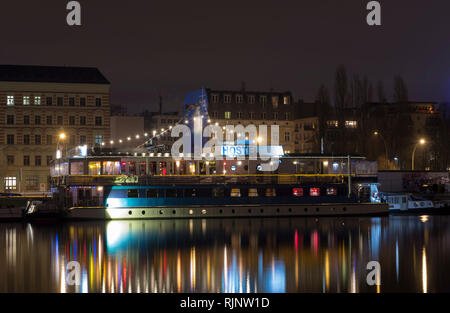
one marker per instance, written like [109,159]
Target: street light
[376,133]
[421,142]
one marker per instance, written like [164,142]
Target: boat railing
[263,179]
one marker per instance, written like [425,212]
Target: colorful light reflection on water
[229,255]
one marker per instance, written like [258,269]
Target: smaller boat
[11,206]
[407,202]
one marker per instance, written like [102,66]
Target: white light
[111,142]
[186,121]
[325,163]
[145,134]
[170,127]
[58,154]
[137,136]
[239,163]
[120,140]
[128,138]
[217,124]
[209,121]
[103,143]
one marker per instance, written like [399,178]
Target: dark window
[190,192]
[49,139]
[82,140]
[49,101]
[71,120]
[59,101]
[152,193]
[73,139]
[171,193]
[26,139]
[133,193]
[72,101]
[82,102]
[37,139]
[10,139]
[49,159]
[98,121]
[10,159]
[26,119]
[82,120]
[218,192]
[10,119]
[59,120]
[26,160]
[98,102]
[37,160]
[37,120]
[49,120]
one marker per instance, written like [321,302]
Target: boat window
[218,192]
[284,192]
[314,192]
[331,191]
[253,192]
[133,193]
[298,192]
[204,192]
[270,192]
[235,192]
[152,193]
[171,193]
[88,194]
[190,192]
[404,200]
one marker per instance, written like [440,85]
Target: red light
[314,192]
[298,192]
[224,163]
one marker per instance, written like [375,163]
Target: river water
[228,255]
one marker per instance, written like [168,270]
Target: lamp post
[421,142]
[377,133]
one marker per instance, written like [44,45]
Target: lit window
[287,100]
[314,192]
[333,124]
[26,100]
[10,183]
[227,115]
[10,100]
[331,191]
[37,100]
[98,140]
[275,102]
[298,192]
[351,124]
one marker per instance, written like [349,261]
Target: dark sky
[178,46]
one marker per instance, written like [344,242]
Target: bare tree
[400,90]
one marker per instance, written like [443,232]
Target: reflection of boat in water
[140,187]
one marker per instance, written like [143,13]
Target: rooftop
[51,74]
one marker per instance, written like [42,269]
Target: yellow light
[375,133]
[422,141]
[137,136]
[111,142]
[128,138]
[120,140]
[424,218]
[325,163]
[62,136]
[259,139]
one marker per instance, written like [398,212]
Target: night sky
[179,46]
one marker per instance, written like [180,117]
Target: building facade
[42,107]
[257,108]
